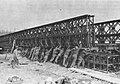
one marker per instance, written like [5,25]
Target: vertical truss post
[88,31]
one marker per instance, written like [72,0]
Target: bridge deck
[98,75]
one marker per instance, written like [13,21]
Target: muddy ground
[37,73]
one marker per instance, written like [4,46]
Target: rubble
[14,80]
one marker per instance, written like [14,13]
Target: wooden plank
[98,75]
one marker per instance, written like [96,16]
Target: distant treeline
[3,32]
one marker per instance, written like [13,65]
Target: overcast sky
[22,14]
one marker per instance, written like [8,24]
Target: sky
[16,15]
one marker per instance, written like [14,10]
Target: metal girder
[107,32]
[78,26]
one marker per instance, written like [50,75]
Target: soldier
[61,51]
[66,54]
[47,53]
[80,58]
[31,52]
[25,52]
[73,56]
[37,51]
[40,54]
[15,61]
[55,52]
[41,58]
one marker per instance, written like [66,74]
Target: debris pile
[14,80]
[68,80]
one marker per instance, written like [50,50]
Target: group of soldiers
[67,57]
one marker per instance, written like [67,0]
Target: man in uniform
[66,54]
[55,52]
[80,58]
[31,53]
[37,51]
[15,61]
[74,55]
[42,54]
[47,53]
[61,51]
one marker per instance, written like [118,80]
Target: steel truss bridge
[73,32]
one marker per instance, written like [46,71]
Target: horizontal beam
[107,35]
[75,18]
[107,22]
